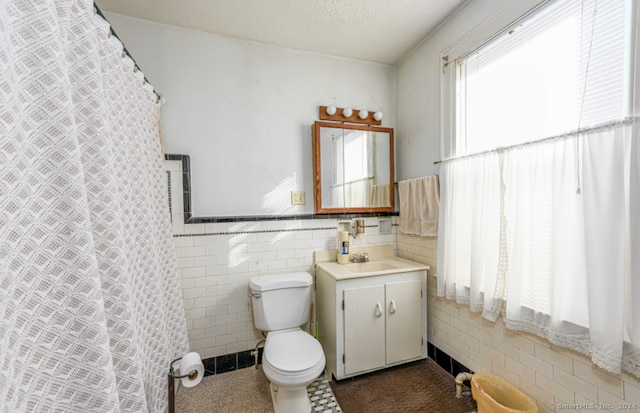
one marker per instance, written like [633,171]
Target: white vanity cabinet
[369,321]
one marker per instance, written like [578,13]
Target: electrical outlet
[297,197]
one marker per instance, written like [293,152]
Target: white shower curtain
[548,235]
[90,306]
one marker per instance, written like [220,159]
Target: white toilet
[292,358]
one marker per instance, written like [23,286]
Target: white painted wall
[243,111]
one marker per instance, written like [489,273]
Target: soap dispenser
[343,247]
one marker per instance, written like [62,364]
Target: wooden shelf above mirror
[354,118]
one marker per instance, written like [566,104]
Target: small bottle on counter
[343,247]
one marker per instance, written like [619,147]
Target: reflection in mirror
[353,168]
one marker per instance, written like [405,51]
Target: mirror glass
[353,168]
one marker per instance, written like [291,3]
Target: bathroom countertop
[381,265]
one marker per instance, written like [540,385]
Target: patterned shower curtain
[90,306]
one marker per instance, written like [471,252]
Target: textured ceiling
[381,31]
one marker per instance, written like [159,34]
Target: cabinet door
[364,337]
[404,315]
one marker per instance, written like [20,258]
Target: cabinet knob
[378,310]
[392,307]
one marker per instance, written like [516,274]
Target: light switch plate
[297,197]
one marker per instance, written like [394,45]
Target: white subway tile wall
[557,378]
[216,261]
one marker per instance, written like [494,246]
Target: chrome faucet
[364,257]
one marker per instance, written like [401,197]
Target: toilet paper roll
[191,362]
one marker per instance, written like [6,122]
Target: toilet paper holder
[191,375]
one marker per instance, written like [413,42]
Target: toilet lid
[292,351]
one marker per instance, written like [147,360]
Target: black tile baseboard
[230,362]
[448,363]
[244,359]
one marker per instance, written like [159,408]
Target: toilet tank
[280,301]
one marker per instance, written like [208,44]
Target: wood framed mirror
[353,168]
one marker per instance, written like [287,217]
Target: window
[552,72]
[540,179]
[551,61]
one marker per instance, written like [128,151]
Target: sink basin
[370,266]
[383,262]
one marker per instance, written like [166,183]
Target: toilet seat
[292,357]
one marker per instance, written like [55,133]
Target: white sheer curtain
[469,233]
[547,234]
[90,306]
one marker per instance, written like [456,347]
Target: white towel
[419,206]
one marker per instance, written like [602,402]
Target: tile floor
[321,396]
[247,391]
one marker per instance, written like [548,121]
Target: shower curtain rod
[124,48]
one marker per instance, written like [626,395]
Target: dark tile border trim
[208,234]
[186,182]
[230,362]
[448,363]
[244,359]
[190,219]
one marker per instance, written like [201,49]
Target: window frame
[493,27]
